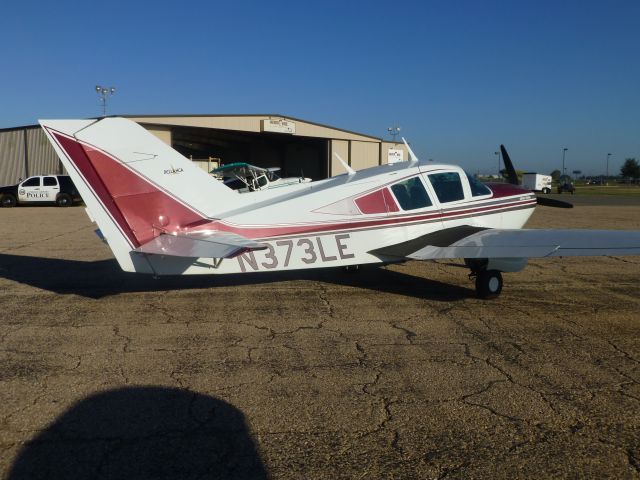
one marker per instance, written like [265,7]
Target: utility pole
[564,170]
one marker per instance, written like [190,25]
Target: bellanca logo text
[173,171]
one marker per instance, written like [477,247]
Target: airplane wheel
[488,283]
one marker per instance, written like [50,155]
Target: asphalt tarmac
[596,200]
[393,372]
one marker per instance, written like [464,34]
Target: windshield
[478,188]
[262,181]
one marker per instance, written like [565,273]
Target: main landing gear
[488,282]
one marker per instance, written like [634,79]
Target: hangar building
[298,147]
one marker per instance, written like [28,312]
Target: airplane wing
[475,242]
[206,245]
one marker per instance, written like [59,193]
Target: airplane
[162,215]
[245,177]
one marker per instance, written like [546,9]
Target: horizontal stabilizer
[200,245]
[498,243]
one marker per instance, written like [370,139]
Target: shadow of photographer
[143,432]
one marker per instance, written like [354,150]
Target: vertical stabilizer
[135,186]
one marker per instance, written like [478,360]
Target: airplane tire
[488,284]
[7,200]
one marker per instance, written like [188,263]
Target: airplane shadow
[143,432]
[103,278]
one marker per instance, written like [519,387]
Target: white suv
[41,189]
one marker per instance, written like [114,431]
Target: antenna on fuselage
[412,155]
[350,171]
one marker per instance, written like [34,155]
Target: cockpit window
[262,181]
[448,186]
[478,189]
[411,194]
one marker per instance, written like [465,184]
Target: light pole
[607,176]
[564,170]
[104,92]
[394,132]
[498,154]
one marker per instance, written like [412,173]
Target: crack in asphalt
[409,335]
[167,313]
[627,355]
[633,461]
[125,350]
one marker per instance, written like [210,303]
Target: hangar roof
[251,123]
[241,122]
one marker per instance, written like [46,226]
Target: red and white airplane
[162,215]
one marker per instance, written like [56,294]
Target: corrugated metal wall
[12,165]
[42,158]
[16,161]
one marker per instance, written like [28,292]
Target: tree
[555,175]
[631,168]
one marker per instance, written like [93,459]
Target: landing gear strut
[488,282]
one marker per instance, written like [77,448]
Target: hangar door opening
[296,156]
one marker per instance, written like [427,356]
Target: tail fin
[134,185]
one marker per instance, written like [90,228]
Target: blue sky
[459,77]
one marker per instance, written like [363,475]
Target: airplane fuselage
[308,231]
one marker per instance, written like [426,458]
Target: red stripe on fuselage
[501,190]
[264,232]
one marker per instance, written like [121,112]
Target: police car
[41,189]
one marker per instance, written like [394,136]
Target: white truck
[537,182]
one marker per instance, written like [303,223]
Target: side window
[32,182]
[478,189]
[65,183]
[448,186]
[411,194]
[49,182]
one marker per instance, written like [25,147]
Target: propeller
[512,177]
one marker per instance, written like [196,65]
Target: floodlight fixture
[394,132]
[104,93]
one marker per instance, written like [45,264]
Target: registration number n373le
[282,253]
